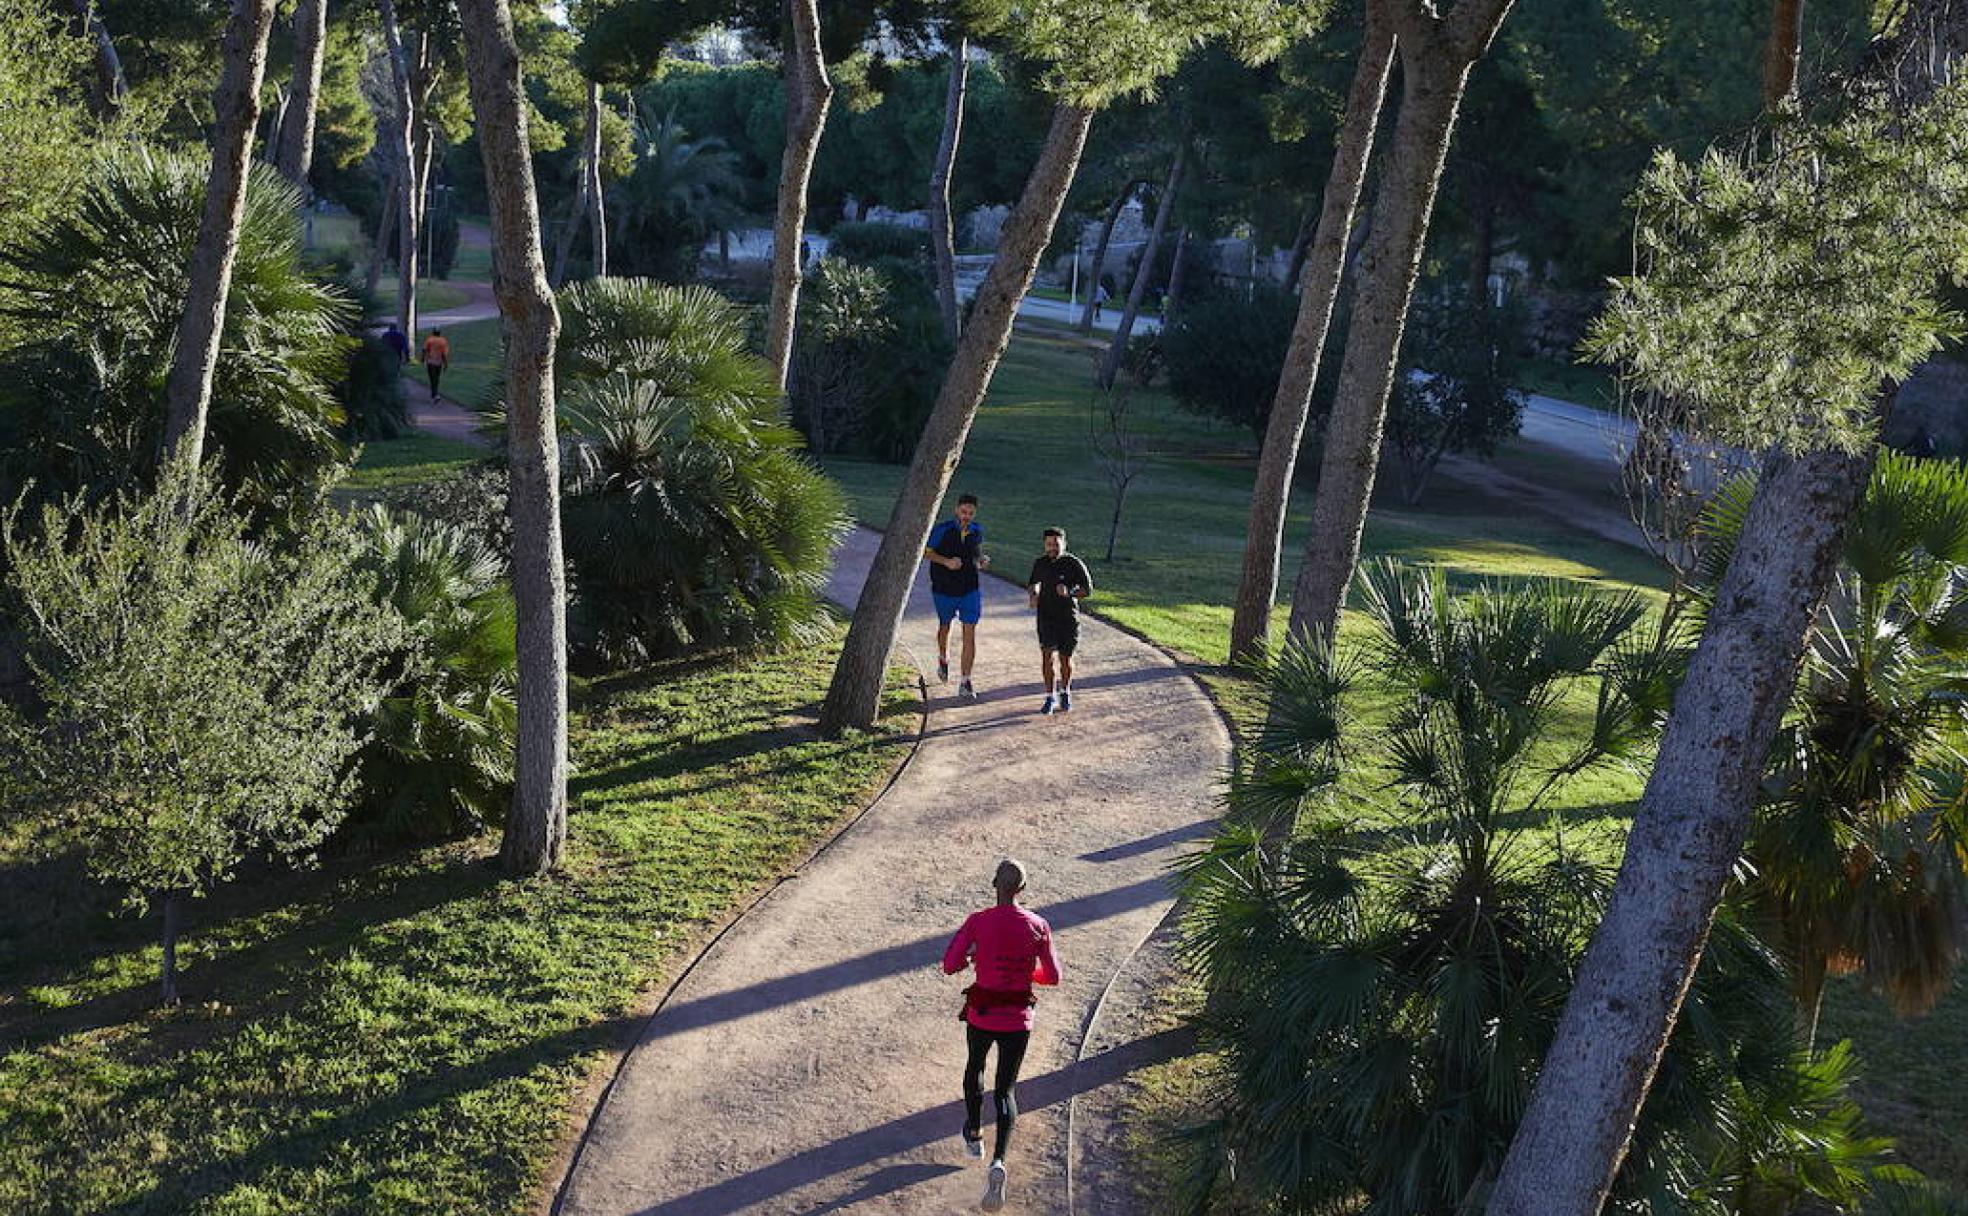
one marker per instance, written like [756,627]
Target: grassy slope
[403,1034]
[1029,459]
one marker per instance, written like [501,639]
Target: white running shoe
[965,690]
[994,1190]
[973,1145]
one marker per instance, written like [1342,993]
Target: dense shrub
[1455,393]
[1224,352]
[473,501]
[691,517]
[371,393]
[866,242]
[96,291]
[869,358]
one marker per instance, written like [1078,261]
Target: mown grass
[404,1031]
[477,364]
[391,464]
[1586,384]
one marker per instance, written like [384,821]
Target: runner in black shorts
[1059,581]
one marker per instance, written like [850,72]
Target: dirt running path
[810,1062]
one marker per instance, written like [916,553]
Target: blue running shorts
[967,608]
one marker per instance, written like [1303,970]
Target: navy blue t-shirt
[947,539]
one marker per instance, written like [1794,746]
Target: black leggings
[1011,1056]
[434,370]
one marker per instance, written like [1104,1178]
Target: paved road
[810,1062]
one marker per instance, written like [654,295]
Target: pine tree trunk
[854,697]
[1144,270]
[403,147]
[1434,71]
[1302,240]
[1174,296]
[1099,264]
[536,827]
[296,155]
[597,203]
[188,389]
[1685,840]
[1284,434]
[111,85]
[385,233]
[1783,50]
[808,92]
[581,211]
[942,235]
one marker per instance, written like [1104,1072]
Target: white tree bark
[295,157]
[536,828]
[854,697]
[808,92]
[111,86]
[402,126]
[597,201]
[1291,406]
[1144,270]
[1099,264]
[941,231]
[188,388]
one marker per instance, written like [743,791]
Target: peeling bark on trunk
[942,235]
[1174,296]
[1099,264]
[1436,56]
[854,697]
[295,157]
[1284,434]
[1144,270]
[409,188]
[536,827]
[808,92]
[188,389]
[111,86]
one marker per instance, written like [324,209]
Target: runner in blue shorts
[955,554]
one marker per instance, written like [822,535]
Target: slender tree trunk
[295,157]
[1144,270]
[1174,295]
[111,86]
[1099,264]
[1784,49]
[1257,586]
[188,389]
[1434,71]
[1114,522]
[385,233]
[402,130]
[597,203]
[1695,812]
[170,910]
[854,697]
[1302,240]
[808,92]
[580,210]
[536,828]
[1685,840]
[942,235]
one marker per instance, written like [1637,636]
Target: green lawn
[1586,384]
[433,295]
[477,354]
[392,464]
[404,1032]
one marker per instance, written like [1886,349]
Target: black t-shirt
[951,541]
[1049,572]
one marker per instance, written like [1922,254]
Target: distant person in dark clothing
[394,339]
[955,554]
[1058,582]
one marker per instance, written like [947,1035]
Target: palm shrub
[691,517]
[1855,856]
[92,294]
[440,760]
[1389,937]
[869,358]
[680,193]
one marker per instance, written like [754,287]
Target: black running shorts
[1059,633]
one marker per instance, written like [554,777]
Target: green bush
[371,394]
[691,517]
[864,243]
[1455,392]
[1224,353]
[869,358]
[96,290]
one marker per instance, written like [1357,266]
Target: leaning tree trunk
[577,214]
[1144,270]
[1302,239]
[111,85]
[941,235]
[1257,586]
[1695,812]
[402,127]
[1099,263]
[536,827]
[854,697]
[807,93]
[188,389]
[1436,56]
[584,208]
[597,203]
[296,152]
[385,233]
[1174,296]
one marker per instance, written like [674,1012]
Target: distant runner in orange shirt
[437,356]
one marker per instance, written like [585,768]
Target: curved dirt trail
[810,1063]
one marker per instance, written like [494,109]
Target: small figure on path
[396,341]
[1099,298]
[955,554]
[437,356]
[1011,948]
[1058,582]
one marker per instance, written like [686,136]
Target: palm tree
[1387,978]
[1855,850]
[681,193]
